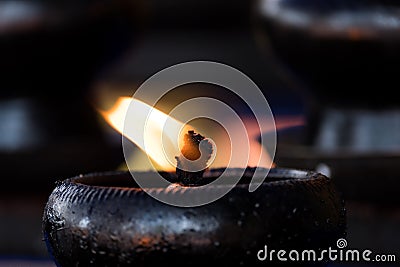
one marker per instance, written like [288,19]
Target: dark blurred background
[331,64]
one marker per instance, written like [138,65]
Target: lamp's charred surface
[105,219]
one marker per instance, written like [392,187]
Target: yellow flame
[148,133]
[160,136]
[116,115]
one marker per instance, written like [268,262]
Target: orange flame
[155,131]
[159,141]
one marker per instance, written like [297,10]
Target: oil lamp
[109,219]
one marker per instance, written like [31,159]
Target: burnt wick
[192,162]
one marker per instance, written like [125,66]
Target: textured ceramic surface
[104,219]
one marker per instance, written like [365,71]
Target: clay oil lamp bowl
[107,219]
